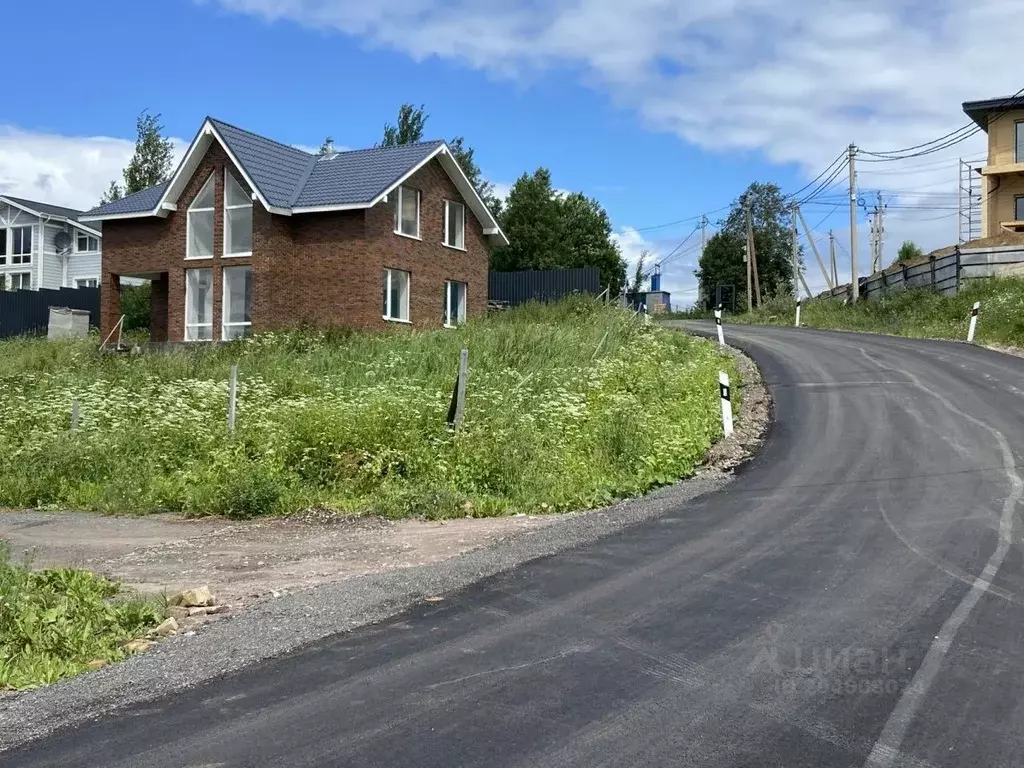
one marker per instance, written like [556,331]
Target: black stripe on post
[723,391]
[974,311]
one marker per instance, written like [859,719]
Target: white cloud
[63,170]
[795,81]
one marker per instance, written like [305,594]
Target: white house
[45,246]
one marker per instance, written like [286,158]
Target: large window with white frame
[396,295]
[86,243]
[407,211]
[198,304]
[454,303]
[199,239]
[454,225]
[19,281]
[237,306]
[21,245]
[237,218]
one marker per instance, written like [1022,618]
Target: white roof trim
[108,216]
[327,208]
[466,189]
[190,162]
[49,217]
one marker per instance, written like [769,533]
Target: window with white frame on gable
[454,224]
[86,243]
[21,245]
[237,218]
[407,211]
[199,240]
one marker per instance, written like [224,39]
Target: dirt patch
[246,561]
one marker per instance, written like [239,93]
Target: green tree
[770,216]
[722,264]
[551,231]
[409,129]
[908,252]
[532,221]
[588,236]
[638,273]
[152,162]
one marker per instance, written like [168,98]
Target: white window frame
[188,223]
[448,286]
[388,276]
[227,208]
[89,240]
[447,235]
[4,235]
[225,309]
[188,303]
[399,195]
[87,280]
[23,276]
[24,258]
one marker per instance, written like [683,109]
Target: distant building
[1002,186]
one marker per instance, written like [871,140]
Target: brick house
[250,234]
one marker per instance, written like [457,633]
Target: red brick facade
[315,268]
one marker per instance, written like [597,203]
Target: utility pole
[794,250]
[832,256]
[879,230]
[752,252]
[814,247]
[854,283]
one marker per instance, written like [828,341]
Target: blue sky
[661,112]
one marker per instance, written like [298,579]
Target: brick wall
[321,269]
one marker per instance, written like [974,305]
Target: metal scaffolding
[969,203]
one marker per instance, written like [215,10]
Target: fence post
[232,397]
[931,264]
[956,282]
[458,406]
[74,415]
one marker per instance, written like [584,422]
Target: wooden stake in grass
[232,397]
[974,322]
[458,405]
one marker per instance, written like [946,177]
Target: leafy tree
[152,162]
[908,252]
[638,273]
[409,129]
[550,231]
[533,222]
[770,216]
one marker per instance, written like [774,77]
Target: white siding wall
[15,217]
[52,270]
[83,265]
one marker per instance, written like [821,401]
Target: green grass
[568,406]
[54,622]
[921,314]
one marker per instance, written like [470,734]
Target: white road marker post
[974,322]
[718,325]
[798,313]
[726,395]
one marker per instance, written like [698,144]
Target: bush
[54,622]
[569,405]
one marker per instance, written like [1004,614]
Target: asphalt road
[855,597]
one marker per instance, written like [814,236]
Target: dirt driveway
[245,561]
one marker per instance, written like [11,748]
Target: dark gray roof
[979,111]
[138,202]
[277,169]
[292,178]
[53,210]
[349,178]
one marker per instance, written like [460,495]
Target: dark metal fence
[514,288]
[28,312]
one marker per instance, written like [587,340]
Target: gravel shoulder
[390,566]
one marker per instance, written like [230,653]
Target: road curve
[855,597]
